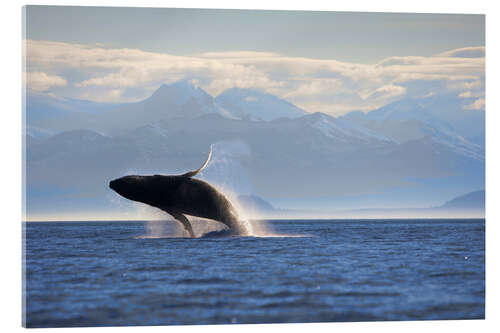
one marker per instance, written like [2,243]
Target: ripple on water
[108,274]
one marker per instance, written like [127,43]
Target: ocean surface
[139,273]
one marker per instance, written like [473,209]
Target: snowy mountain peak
[256,105]
[179,93]
[414,119]
[341,129]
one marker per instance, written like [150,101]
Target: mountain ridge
[257,105]
[311,155]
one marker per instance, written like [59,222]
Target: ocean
[119,273]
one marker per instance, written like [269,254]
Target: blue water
[107,274]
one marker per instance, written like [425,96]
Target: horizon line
[264,219]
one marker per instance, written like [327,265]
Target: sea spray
[250,218]
[159,224]
[225,171]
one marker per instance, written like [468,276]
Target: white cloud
[313,88]
[466,52]
[251,99]
[470,94]
[238,54]
[40,81]
[465,94]
[466,84]
[386,91]
[477,105]
[96,73]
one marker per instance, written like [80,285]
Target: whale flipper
[195,172]
[184,221]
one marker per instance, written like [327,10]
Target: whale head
[130,187]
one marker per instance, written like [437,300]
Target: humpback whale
[180,195]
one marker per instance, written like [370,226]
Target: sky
[332,62]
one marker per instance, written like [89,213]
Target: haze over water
[111,273]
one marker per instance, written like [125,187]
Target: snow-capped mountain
[179,99]
[190,100]
[284,154]
[342,129]
[403,121]
[256,105]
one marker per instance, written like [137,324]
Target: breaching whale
[180,195]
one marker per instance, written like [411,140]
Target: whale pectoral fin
[184,221]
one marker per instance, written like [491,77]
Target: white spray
[225,171]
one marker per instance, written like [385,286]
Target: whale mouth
[112,184]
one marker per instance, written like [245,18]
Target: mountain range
[407,153]
[469,205]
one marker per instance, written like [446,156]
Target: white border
[10,190]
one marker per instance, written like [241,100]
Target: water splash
[252,220]
[172,229]
[210,229]
[157,226]
[225,171]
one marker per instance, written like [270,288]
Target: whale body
[180,195]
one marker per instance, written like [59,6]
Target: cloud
[386,91]
[314,87]
[470,94]
[466,52]
[40,81]
[251,99]
[477,105]
[238,54]
[119,75]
